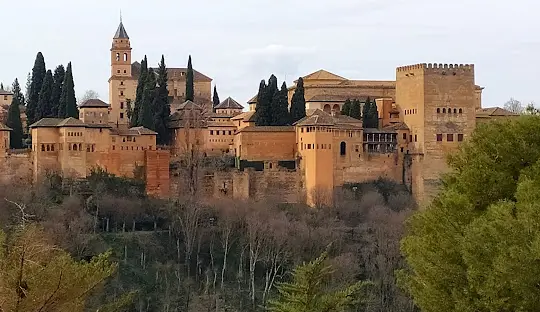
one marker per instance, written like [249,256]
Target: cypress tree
[38,75]
[58,78]
[1,86]
[16,89]
[355,109]
[373,115]
[190,89]
[366,111]
[161,105]
[27,88]
[346,109]
[215,98]
[298,102]
[44,108]
[146,117]
[280,111]
[141,82]
[263,109]
[14,117]
[68,101]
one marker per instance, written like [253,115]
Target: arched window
[80,147]
[42,147]
[125,57]
[449,111]
[52,147]
[74,147]
[444,110]
[455,111]
[438,110]
[118,56]
[327,108]
[342,148]
[460,111]
[48,148]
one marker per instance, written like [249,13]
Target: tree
[38,75]
[298,102]
[280,109]
[88,95]
[263,109]
[514,106]
[14,117]
[68,101]
[468,251]
[215,98]
[355,109]
[44,108]
[146,116]
[307,290]
[190,89]
[141,82]
[2,86]
[373,115]
[37,276]
[58,77]
[346,109]
[27,87]
[531,109]
[161,106]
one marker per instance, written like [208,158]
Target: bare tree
[88,95]
[514,106]
[191,142]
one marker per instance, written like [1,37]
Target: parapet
[431,66]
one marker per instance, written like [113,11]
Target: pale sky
[240,42]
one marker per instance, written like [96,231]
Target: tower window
[444,110]
[342,148]
[125,71]
[450,137]
[439,137]
[118,56]
[438,110]
[460,111]
[125,57]
[121,115]
[122,93]
[118,71]
[121,105]
[121,83]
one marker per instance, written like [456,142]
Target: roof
[172,72]
[121,32]
[5,92]
[494,111]
[94,103]
[321,118]
[267,129]
[189,105]
[253,100]
[3,127]
[338,98]
[141,131]
[375,130]
[322,75]
[71,122]
[397,126]
[245,116]
[229,103]
[74,122]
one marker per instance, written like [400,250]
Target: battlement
[431,66]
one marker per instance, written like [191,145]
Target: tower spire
[120,16]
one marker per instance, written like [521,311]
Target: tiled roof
[375,130]
[5,92]
[323,74]
[397,126]
[267,129]
[172,72]
[71,122]
[3,127]
[494,111]
[189,105]
[253,100]
[121,32]
[229,103]
[245,116]
[94,103]
[46,122]
[142,131]
[369,83]
[321,118]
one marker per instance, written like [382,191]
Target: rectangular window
[121,115]
[404,136]
[439,137]
[121,93]
[211,132]
[410,138]
[450,137]
[415,138]
[460,137]
[121,105]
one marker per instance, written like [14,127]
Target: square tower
[438,103]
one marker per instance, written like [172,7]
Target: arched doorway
[336,109]
[327,108]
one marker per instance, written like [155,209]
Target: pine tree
[134,120]
[280,111]
[58,78]
[215,98]
[44,108]
[68,101]
[190,91]
[263,109]
[298,102]
[161,105]
[27,88]
[38,75]
[16,89]
[14,117]
[355,109]
[346,109]
[146,117]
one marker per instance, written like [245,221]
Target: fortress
[424,114]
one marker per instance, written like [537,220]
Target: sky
[240,42]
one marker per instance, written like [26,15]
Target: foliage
[17,93]
[280,107]
[272,104]
[160,106]
[14,122]
[531,109]
[215,97]
[190,87]
[35,275]
[101,179]
[306,292]
[146,113]
[58,78]
[38,75]
[298,102]
[263,110]
[45,107]
[355,111]
[346,109]
[473,249]
[68,102]
[88,95]
[141,83]
[514,106]
[370,114]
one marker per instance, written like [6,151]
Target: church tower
[121,89]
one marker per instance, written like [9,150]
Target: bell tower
[121,90]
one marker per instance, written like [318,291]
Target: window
[460,137]
[450,137]
[113,147]
[118,56]
[342,148]
[211,132]
[118,71]
[415,138]
[460,111]
[121,115]
[439,137]
[121,105]
[455,111]
[449,111]
[125,71]
[356,148]
[74,147]
[121,93]
[402,149]
[444,110]
[405,136]
[42,147]
[125,57]
[121,83]
[438,110]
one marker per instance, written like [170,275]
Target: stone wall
[156,170]
[16,168]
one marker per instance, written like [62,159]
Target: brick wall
[157,172]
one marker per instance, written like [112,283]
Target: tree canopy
[161,106]
[38,75]
[14,117]
[68,102]
[355,111]
[141,82]
[475,247]
[190,87]
[298,102]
